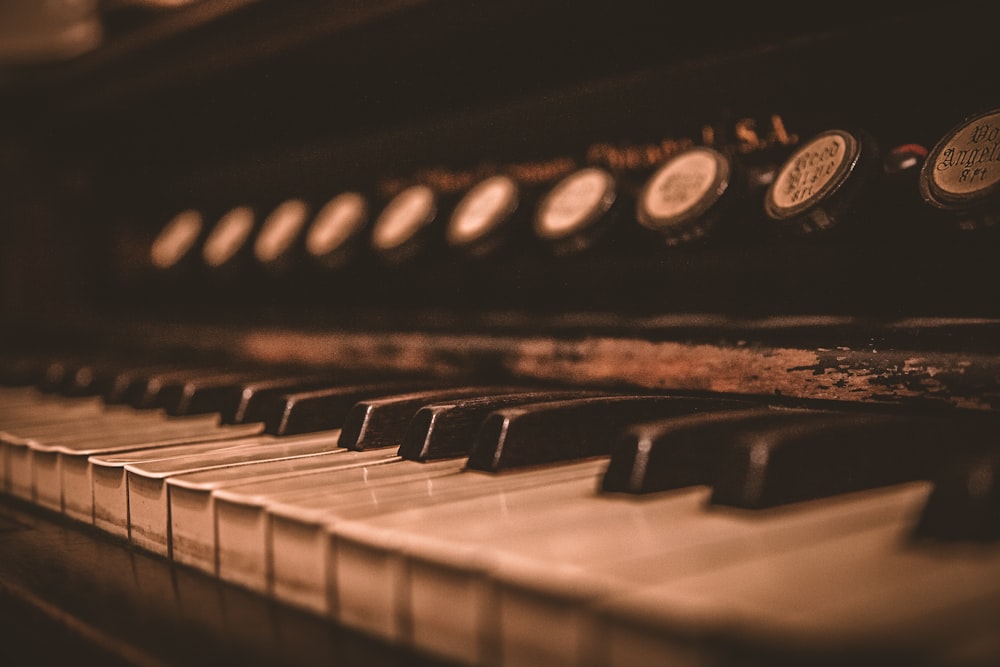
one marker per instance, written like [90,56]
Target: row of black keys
[752,453]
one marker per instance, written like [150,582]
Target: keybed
[450,557]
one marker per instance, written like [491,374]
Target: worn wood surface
[939,363]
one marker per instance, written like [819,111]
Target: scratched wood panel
[964,374]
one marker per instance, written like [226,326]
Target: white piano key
[122,430]
[192,497]
[57,424]
[303,527]
[77,488]
[45,479]
[524,547]
[526,587]
[871,590]
[917,590]
[243,528]
[19,471]
[46,462]
[48,468]
[296,567]
[444,618]
[106,430]
[105,474]
[444,611]
[148,507]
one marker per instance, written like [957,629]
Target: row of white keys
[699,545]
[873,592]
[298,533]
[192,495]
[148,500]
[54,464]
[51,425]
[467,575]
[102,476]
[243,550]
[93,483]
[23,407]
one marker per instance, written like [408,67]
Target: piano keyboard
[490,524]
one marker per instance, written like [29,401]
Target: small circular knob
[822,180]
[333,238]
[577,210]
[399,231]
[483,217]
[177,239]
[961,174]
[682,200]
[275,242]
[229,237]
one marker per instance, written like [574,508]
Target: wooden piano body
[213,105]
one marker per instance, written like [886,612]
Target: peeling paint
[834,373]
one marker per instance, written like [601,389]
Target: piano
[431,332]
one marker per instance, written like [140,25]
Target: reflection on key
[573,429]
[444,430]
[243,526]
[105,479]
[325,409]
[683,451]
[171,432]
[382,422]
[249,402]
[192,496]
[163,390]
[148,506]
[298,525]
[203,394]
[909,607]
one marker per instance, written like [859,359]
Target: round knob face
[963,170]
[228,236]
[575,203]
[280,229]
[812,175]
[405,215]
[340,218]
[682,191]
[482,210]
[176,239]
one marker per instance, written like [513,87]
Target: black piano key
[682,451]
[383,422]
[251,401]
[840,453]
[326,409]
[129,383]
[85,376]
[88,379]
[447,430]
[574,429]
[160,390]
[204,394]
[118,378]
[964,504]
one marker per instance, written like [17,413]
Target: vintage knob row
[818,187]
